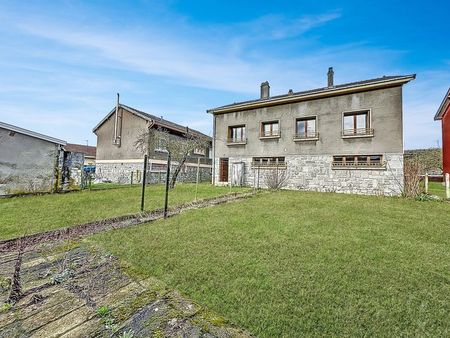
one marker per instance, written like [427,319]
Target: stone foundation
[123,173]
[315,173]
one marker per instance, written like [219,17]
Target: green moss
[5,284]
[60,248]
[5,307]
[213,318]
[158,333]
[131,306]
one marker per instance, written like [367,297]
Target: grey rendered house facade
[119,160]
[29,161]
[346,138]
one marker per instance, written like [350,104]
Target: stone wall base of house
[315,173]
[123,173]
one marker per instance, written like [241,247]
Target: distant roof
[155,119]
[377,83]
[443,107]
[80,148]
[31,133]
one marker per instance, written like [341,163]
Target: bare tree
[276,178]
[179,148]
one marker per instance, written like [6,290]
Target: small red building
[443,114]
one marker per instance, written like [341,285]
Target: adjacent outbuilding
[443,114]
[29,161]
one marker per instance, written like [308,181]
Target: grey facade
[28,160]
[118,159]
[367,158]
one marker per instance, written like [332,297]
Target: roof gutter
[311,96]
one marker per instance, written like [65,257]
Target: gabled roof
[443,107]
[80,148]
[31,133]
[346,88]
[154,119]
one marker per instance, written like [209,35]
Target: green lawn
[27,215]
[436,188]
[290,264]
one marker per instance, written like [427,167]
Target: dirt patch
[80,230]
[72,290]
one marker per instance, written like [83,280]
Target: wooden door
[223,170]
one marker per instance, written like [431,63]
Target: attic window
[12,133]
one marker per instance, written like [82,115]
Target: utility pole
[143,182]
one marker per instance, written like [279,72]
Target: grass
[436,188]
[28,215]
[291,264]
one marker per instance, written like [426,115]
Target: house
[119,160]
[343,138]
[29,161]
[443,114]
[85,151]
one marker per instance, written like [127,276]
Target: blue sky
[61,63]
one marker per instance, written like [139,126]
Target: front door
[223,170]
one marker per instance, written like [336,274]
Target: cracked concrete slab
[72,290]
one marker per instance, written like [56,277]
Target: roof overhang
[445,105]
[312,95]
[32,133]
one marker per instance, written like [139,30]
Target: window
[268,162]
[270,129]
[358,161]
[200,151]
[305,128]
[236,134]
[357,124]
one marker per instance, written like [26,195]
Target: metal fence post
[196,182]
[166,200]
[426,183]
[143,182]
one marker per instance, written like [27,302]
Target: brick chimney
[330,77]
[265,90]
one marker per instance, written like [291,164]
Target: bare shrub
[276,178]
[412,169]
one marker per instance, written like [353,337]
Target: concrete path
[71,290]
